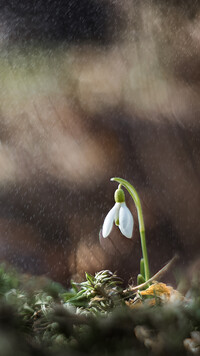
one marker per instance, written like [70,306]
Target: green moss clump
[95,317]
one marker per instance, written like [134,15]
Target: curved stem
[137,202]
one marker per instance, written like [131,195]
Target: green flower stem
[137,202]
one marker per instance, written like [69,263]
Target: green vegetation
[95,317]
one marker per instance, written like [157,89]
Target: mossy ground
[95,317]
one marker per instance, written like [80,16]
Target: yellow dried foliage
[162,291]
[132,303]
[158,291]
[97,299]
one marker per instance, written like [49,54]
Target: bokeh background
[90,90]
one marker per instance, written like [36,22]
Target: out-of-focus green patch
[95,317]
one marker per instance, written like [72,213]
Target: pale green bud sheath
[137,202]
[119,195]
[142,271]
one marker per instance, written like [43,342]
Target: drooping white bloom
[122,217]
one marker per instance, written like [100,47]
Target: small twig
[155,277]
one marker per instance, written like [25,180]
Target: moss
[97,317]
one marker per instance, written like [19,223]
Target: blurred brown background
[88,91]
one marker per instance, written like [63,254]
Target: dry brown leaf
[133,303]
[161,290]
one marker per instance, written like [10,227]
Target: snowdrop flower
[119,214]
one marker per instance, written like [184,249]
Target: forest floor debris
[95,317]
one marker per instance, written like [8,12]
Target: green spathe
[119,196]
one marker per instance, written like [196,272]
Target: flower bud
[140,279]
[119,196]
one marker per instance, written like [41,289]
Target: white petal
[125,221]
[108,222]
